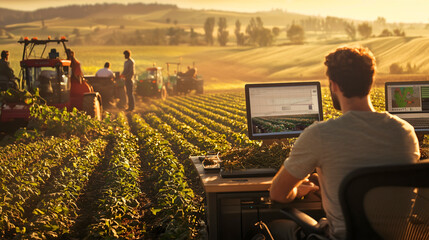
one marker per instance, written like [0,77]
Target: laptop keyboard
[418,122]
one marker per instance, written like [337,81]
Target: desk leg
[212,216]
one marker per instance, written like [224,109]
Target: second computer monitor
[409,101]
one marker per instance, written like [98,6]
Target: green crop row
[211,140]
[219,103]
[210,128]
[55,214]
[236,126]
[238,121]
[177,212]
[14,158]
[118,208]
[26,185]
[236,98]
[181,147]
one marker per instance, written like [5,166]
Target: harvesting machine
[49,76]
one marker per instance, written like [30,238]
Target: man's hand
[305,188]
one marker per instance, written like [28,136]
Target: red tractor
[51,75]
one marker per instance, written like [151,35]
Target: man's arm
[285,187]
[127,69]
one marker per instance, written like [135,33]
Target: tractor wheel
[91,105]
[200,88]
[163,93]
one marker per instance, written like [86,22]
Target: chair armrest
[307,223]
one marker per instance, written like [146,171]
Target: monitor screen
[409,101]
[282,110]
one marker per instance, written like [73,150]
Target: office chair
[383,202]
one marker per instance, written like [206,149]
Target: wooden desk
[236,198]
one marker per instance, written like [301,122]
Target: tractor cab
[155,75]
[51,76]
[152,84]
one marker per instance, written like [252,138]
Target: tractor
[154,84]
[189,81]
[49,76]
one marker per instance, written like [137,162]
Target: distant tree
[334,24]
[296,34]
[193,37]
[253,29]
[365,30]
[266,37]
[168,20]
[208,28]
[176,22]
[174,35]
[385,33]
[350,30]
[258,34]
[43,25]
[276,31]
[313,24]
[76,32]
[239,36]
[412,69]
[122,26]
[398,32]
[380,23]
[396,69]
[222,34]
[158,37]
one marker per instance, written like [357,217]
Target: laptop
[409,101]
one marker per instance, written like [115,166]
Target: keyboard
[418,122]
[248,173]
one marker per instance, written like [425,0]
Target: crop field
[128,176]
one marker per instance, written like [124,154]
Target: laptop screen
[282,110]
[409,101]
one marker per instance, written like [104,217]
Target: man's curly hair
[353,69]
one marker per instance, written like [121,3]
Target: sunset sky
[392,10]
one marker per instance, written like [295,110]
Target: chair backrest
[387,202]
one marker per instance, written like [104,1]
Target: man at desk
[359,138]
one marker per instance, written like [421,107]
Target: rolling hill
[222,67]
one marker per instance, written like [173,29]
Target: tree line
[253,34]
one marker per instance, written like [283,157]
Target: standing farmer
[128,74]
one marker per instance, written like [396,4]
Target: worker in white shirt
[105,72]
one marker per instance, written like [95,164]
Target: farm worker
[128,74]
[105,72]
[359,138]
[77,74]
[191,72]
[78,85]
[6,72]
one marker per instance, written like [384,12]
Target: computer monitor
[409,101]
[282,110]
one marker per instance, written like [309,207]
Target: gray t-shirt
[129,69]
[338,146]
